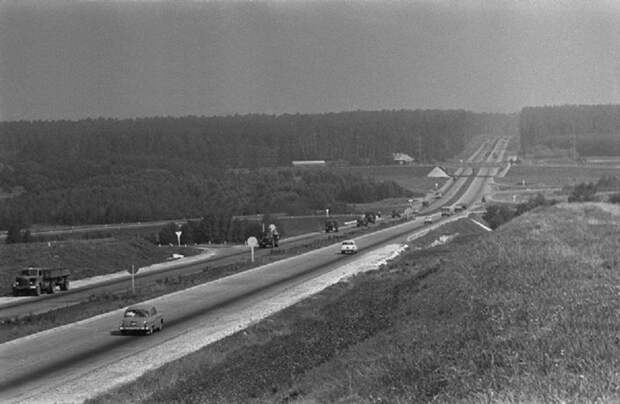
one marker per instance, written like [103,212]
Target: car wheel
[149,331]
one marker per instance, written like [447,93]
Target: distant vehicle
[447,211]
[269,238]
[40,280]
[362,221]
[428,220]
[371,217]
[437,195]
[459,208]
[348,247]
[395,214]
[141,319]
[425,203]
[331,225]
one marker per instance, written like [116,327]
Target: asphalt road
[38,362]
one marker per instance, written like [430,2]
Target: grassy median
[528,313]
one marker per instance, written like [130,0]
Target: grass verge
[529,313]
[84,258]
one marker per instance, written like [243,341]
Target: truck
[35,280]
[362,221]
[371,217]
[460,207]
[447,211]
[331,225]
[269,238]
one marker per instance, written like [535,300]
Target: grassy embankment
[85,258]
[528,313]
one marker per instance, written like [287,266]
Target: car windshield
[136,313]
[30,272]
[348,243]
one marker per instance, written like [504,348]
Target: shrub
[614,198]
[583,192]
[496,215]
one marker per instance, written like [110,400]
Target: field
[412,178]
[528,313]
[541,176]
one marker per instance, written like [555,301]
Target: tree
[496,215]
[13,234]
[167,234]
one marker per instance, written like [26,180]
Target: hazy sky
[69,60]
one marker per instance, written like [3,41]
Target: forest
[594,129]
[115,170]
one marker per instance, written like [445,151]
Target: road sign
[252,242]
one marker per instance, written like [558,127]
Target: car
[446,211]
[428,220]
[460,208]
[144,319]
[348,247]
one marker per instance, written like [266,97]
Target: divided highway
[35,364]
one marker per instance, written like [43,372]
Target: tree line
[49,154]
[163,195]
[115,170]
[594,129]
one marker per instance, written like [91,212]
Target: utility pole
[419,147]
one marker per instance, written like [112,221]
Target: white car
[348,247]
[428,220]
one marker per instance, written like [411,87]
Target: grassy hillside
[530,312]
[84,258]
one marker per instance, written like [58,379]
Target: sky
[125,59]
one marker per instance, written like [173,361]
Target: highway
[56,357]
[451,192]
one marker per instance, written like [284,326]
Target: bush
[614,198]
[584,192]
[496,215]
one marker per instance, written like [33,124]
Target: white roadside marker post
[252,242]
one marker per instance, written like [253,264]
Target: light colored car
[141,319]
[428,220]
[348,247]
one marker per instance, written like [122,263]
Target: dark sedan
[141,319]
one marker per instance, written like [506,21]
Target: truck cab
[331,225]
[447,211]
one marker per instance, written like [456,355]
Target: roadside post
[252,242]
[133,273]
[178,233]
